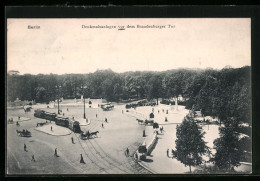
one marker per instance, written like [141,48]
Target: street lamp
[58,100]
[82,87]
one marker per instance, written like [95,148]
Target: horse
[139,121]
[18,132]
[94,133]
[27,109]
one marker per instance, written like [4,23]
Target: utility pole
[84,116]
[82,87]
[58,98]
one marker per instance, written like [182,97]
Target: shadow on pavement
[147,160]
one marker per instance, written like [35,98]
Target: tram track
[126,164]
[130,166]
[104,162]
[109,159]
[101,168]
[102,157]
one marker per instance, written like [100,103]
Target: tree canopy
[222,93]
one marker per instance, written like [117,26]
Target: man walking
[127,152]
[72,140]
[167,152]
[24,147]
[55,152]
[33,158]
[51,128]
[81,159]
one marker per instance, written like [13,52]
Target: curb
[20,120]
[246,163]
[168,123]
[87,123]
[51,134]
[145,167]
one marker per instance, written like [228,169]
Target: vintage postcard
[128,96]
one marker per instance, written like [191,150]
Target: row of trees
[222,93]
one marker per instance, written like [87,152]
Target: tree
[190,145]
[228,149]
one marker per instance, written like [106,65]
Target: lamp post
[58,100]
[84,115]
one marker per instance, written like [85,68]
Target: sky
[62,46]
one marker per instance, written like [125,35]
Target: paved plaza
[105,153]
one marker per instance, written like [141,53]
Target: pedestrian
[122,111]
[72,140]
[102,125]
[24,147]
[55,152]
[166,111]
[158,111]
[81,159]
[167,152]
[63,114]
[106,120]
[33,158]
[68,109]
[37,124]
[172,153]
[144,133]
[18,117]
[96,115]
[162,128]
[51,128]
[46,120]
[166,120]
[127,152]
[136,157]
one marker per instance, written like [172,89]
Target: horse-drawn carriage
[24,133]
[88,135]
[151,122]
[140,121]
[107,106]
[10,121]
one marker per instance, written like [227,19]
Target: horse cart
[88,135]
[150,122]
[24,133]
[10,121]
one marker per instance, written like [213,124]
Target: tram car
[68,123]
[62,121]
[59,120]
[50,116]
[74,126]
[38,113]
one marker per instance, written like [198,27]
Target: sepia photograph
[128,96]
